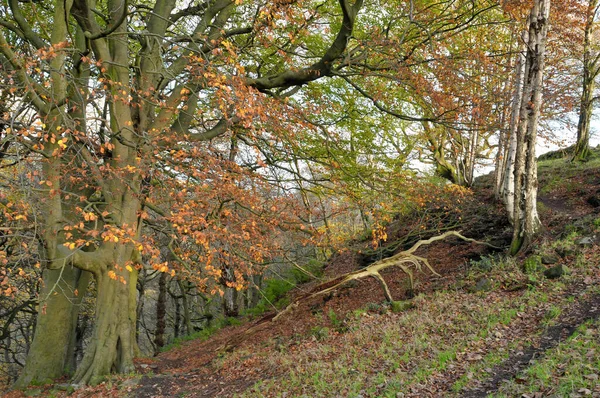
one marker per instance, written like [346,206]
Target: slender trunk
[48,357]
[141,287]
[582,147]
[187,316]
[230,296]
[590,71]
[161,312]
[507,191]
[177,321]
[255,291]
[472,156]
[526,220]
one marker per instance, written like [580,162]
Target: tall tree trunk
[230,296]
[161,312]
[507,191]
[254,290]
[187,313]
[177,320]
[526,220]
[590,72]
[53,341]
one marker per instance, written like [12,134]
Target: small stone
[584,391]
[587,241]
[594,201]
[557,271]
[565,251]
[144,366]
[483,285]
[549,259]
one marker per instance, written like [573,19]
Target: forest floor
[487,326]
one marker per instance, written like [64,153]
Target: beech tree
[123,100]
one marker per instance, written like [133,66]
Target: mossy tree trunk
[590,72]
[113,344]
[53,343]
[230,293]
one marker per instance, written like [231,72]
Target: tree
[525,220]
[127,98]
[591,68]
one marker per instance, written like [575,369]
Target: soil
[194,370]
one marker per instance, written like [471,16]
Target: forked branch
[403,260]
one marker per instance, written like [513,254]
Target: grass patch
[570,369]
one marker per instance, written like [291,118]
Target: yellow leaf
[128,267]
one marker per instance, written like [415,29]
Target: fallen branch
[402,260]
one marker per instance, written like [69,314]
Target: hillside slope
[488,325]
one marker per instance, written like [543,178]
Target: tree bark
[526,220]
[507,191]
[113,343]
[53,341]
[590,72]
[230,296]
[161,312]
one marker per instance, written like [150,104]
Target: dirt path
[518,361]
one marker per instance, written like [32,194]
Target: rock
[565,251]
[557,271]
[587,241]
[594,201]
[483,285]
[69,388]
[130,383]
[549,259]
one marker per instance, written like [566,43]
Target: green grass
[203,334]
[386,353]
[573,367]
[408,351]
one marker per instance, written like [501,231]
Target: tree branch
[321,68]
